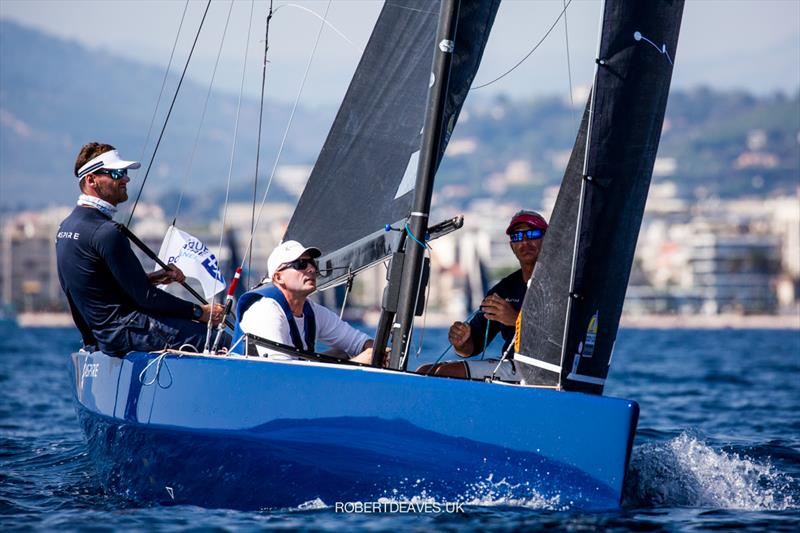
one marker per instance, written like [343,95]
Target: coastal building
[735,272]
[716,256]
[28,275]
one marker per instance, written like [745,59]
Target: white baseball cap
[110,160]
[286,252]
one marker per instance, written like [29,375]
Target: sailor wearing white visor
[113,301]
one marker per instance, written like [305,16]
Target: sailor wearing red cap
[499,310]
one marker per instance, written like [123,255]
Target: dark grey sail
[365,174]
[571,311]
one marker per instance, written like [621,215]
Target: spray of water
[484,493]
[686,472]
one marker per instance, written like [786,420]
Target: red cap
[527,217]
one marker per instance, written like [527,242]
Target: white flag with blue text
[194,258]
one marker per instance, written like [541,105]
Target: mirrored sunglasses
[114,174]
[300,264]
[527,235]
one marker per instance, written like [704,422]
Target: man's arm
[336,332]
[123,264]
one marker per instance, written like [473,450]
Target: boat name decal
[89,370]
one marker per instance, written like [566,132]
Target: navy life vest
[270,291]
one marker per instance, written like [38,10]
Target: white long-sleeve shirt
[266,318]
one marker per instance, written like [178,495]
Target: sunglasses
[527,235]
[114,174]
[300,264]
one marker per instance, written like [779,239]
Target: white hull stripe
[586,379]
[536,362]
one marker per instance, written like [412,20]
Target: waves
[742,472]
[685,471]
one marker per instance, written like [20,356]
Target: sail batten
[573,305]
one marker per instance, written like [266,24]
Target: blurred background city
[720,242]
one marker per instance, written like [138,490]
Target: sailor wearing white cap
[283,313]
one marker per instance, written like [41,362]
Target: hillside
[55,95]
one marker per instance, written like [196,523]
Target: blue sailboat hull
[250,433]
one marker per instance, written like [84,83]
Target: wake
[686,472]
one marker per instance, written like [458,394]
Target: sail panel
[357,186]
[351,190]
[545,303]
[636,55]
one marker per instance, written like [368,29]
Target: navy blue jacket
[512,289]
[107,289]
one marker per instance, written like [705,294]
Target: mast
[411,285]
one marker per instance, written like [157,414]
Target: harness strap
[251,297]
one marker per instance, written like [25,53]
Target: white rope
[427,301]
[328,24]
[285,135]
[157,361]
[569,66]
[203,114]
[235,137]
[508,351]
[235,344]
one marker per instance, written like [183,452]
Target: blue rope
[413,238]
[485,338]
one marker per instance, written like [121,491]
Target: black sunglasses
[526,235]
[114,174]
[300,264]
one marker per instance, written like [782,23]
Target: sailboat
[253,433]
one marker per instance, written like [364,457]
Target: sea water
[718,447]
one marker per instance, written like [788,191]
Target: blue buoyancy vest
[270,291]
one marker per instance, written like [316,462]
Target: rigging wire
[521,61]
[164,82]
[220,328]
[235,135]
[169,113]
[425,303]
[249,247]
[202,116]
[331,26]
[569,65]
[258,142]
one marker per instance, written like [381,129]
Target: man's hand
[365,357]
[216,313]
[166,276]
[460,336]
[497,309]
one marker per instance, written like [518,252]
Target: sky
[726,44]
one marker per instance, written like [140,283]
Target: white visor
[109,160]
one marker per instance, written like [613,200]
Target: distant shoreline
[727,321]
[711,322]
[790,321]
